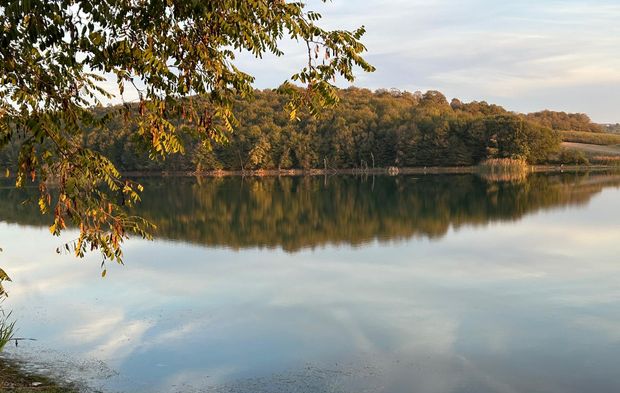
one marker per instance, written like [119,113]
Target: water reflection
[295,213]
[526,302]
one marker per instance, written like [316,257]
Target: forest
[367,129]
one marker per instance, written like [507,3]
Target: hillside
[602,150]
[367,129]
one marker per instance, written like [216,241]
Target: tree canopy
[565,121]
[367,129]
[54,55]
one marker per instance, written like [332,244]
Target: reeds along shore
[504,169]
[504,165]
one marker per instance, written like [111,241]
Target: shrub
[571,157]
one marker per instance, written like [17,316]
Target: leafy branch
[53,54]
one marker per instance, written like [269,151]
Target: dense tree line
[367,129]
[565,121]
[297,212]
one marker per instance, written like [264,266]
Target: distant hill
[380,128]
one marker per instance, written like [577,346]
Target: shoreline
[391,171]
[14,378]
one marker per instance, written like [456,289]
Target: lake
[442,283]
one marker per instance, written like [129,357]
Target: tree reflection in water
[301,212]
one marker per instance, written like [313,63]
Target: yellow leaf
[4,276]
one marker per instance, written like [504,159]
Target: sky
[524,55]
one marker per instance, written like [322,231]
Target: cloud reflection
[481,310]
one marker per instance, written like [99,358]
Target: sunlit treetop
[54,54]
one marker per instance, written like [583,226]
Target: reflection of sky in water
[511,307]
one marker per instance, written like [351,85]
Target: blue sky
[525,55]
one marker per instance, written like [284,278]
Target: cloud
[525,55]
[511,52]
[121,341]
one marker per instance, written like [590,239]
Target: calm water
[405,284]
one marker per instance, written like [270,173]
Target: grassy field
[593,149]
[595,154]
[592,138]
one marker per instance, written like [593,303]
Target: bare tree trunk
[241,161]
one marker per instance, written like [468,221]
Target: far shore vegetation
[367,130]
[593,138]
